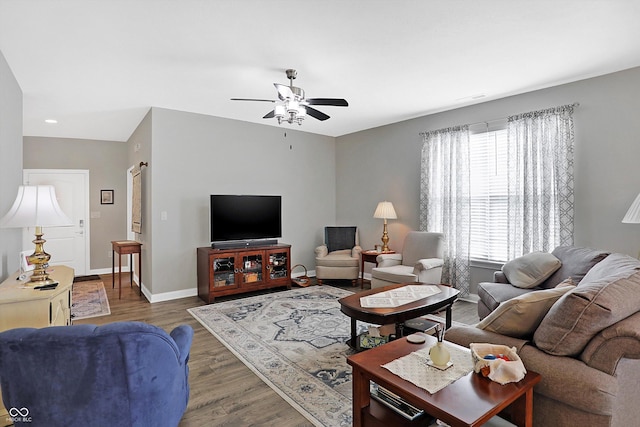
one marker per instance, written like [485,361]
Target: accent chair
[421,260]
[339,256]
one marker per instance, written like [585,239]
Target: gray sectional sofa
[586,346]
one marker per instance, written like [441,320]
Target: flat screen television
[244,219]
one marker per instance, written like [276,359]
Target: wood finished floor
[224,392]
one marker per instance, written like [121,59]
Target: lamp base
[41,283]
[40,259]
[385,238]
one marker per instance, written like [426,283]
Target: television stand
[242,269]
[236,244]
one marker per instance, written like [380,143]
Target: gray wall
[107,165]
[10,164]
[139,150]
[383,163]
[193,156]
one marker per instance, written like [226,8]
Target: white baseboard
[168,296]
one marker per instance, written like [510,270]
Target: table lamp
[633,214]
[36,206]
[385,211]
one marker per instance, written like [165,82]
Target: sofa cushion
[340,258]
[608,293]
[576,262]
[492,294]
[519,317]
[394,274]
[529,270]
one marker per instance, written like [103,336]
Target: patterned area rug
[295,342]
[89,299]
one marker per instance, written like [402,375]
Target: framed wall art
[106,197]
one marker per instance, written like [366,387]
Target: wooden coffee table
[470,401]
[350,306]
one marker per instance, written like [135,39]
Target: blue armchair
[118,374]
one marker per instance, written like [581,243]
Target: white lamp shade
[35,206]
[633,214]
[385,210]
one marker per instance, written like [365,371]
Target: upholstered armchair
[119,374]
[339,256]
[420,261]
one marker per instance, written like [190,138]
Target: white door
[66,245]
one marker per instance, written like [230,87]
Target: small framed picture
[106,197]
[25,265]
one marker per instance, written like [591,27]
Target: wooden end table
[350,305]
[468,402]
[372,257]
[124,247]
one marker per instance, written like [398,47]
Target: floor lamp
[36,206]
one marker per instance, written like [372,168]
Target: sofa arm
[427,264]
[388,260]
[183,336]
[322,251]
[606,349]
[355,252]
[465,334]
[499,277]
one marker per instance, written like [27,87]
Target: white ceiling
[97,66]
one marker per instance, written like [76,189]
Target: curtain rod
[575,104]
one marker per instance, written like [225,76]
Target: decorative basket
[497,370]
[303,280]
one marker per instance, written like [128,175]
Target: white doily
[414,368]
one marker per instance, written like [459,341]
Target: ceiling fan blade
[270,115]
[252,99]
[316,114]
[284,92]
[328,101]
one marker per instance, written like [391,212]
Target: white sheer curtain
[444,198]
[540,175]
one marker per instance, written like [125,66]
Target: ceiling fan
[292,106]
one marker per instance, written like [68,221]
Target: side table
[467,402]
[124,247]
[371,256]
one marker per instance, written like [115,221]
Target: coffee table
[470,401]
[350,306]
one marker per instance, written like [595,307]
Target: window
[489,195]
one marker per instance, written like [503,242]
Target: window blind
[489,195]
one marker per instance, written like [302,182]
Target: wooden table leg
[140,272]
[131,270]
[448,317]
[522,410]
[119,276]
[354,332]
[360,395]
[113,269]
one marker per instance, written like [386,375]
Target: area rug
[89,299]
[295,342]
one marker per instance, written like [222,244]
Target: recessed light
[51,121]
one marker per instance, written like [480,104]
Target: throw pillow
[519,317]
[608,293]
[576,262]
[529,270]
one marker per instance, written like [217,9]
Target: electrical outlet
[109,254]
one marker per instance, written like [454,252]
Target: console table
[470,401]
